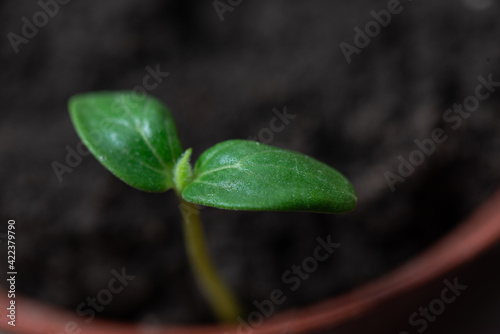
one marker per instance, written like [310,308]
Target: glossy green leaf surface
[247,175]
[133,136]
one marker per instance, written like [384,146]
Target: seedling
[135,137]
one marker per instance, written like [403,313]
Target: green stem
[219,296]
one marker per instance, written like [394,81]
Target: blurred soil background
[226,77]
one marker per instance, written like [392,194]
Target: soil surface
[226,77]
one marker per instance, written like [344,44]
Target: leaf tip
[183,172]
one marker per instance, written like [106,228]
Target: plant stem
[224,304]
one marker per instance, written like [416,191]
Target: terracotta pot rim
[475,235]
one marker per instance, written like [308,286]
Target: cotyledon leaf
[247,175]
[133,136]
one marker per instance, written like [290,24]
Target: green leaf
[182,171]
[133,136]
[247,175]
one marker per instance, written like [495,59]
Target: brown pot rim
[475,235]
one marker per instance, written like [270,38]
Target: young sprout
[135,137]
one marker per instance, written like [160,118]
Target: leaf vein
[143,135]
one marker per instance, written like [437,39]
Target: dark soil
[225,79]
